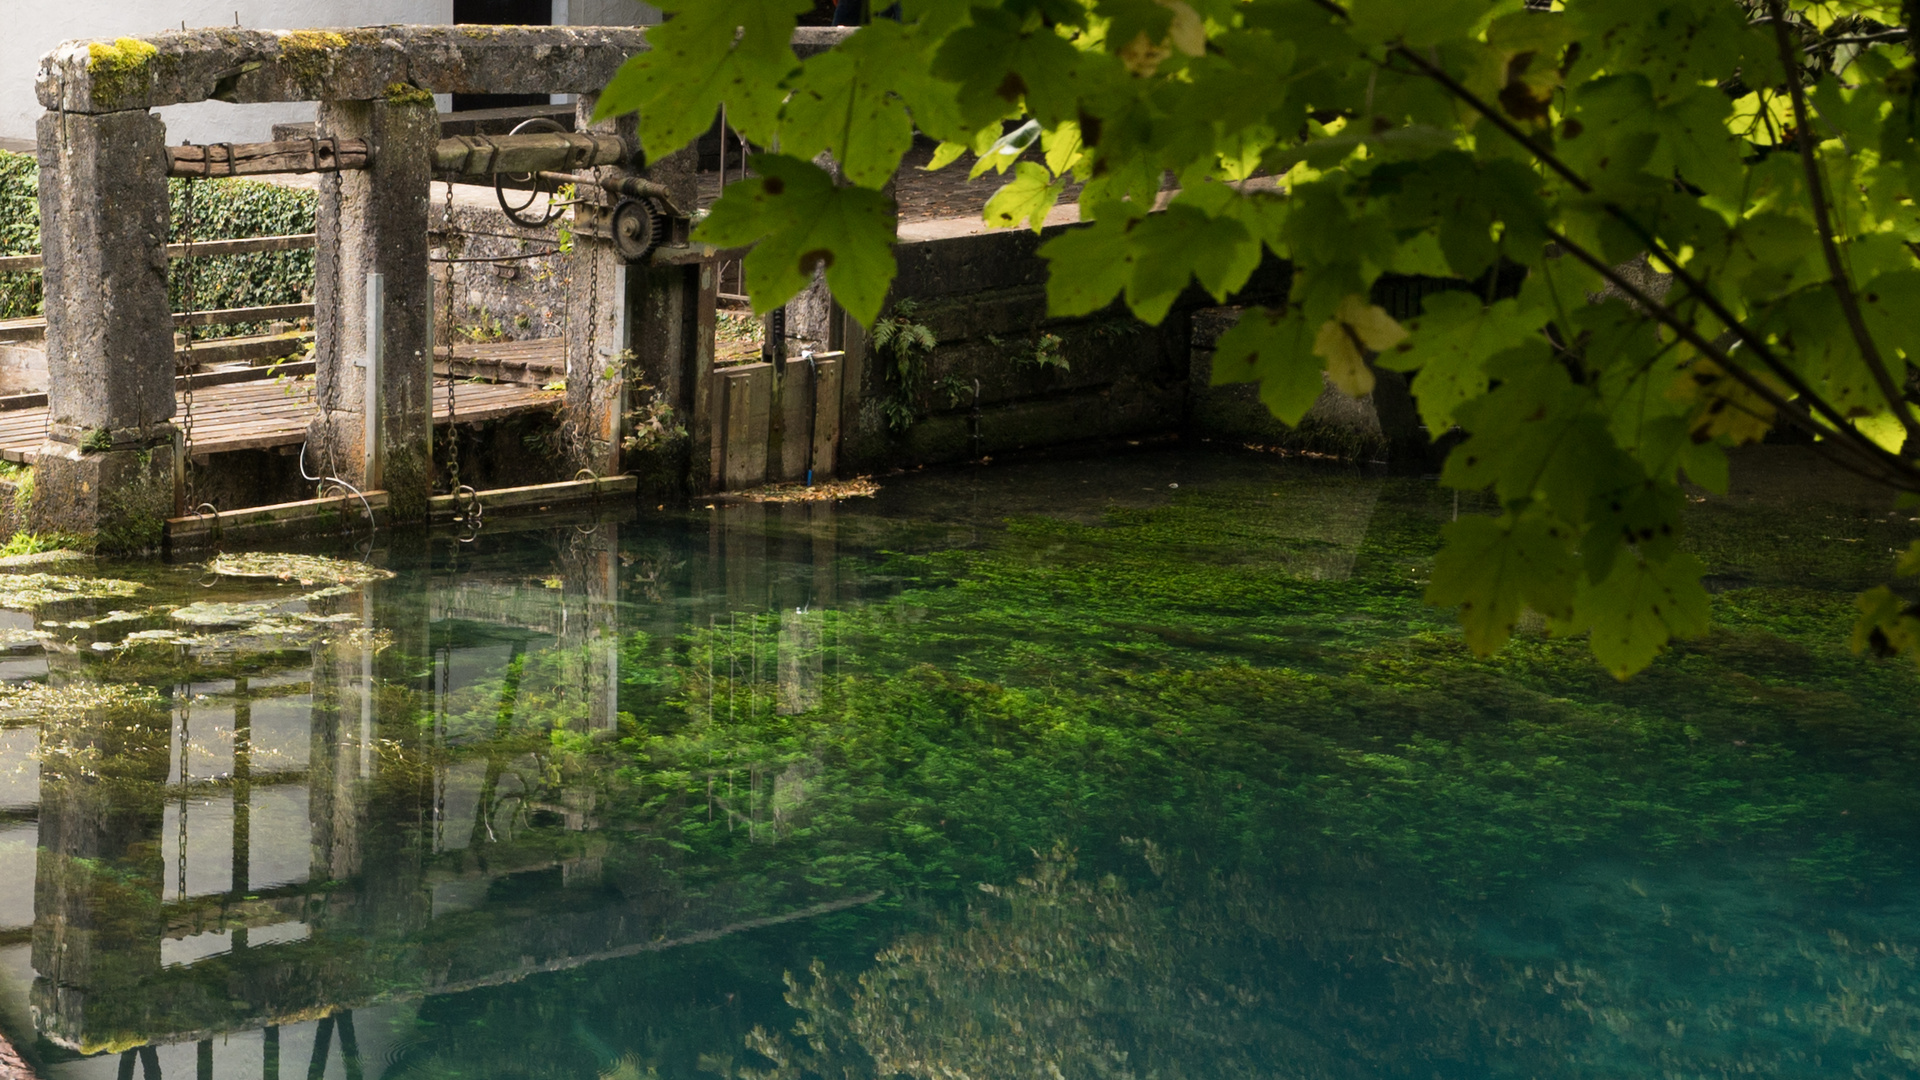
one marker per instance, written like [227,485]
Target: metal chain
[190,294]
[329,363]
[449,237]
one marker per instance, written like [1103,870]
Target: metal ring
[553,212]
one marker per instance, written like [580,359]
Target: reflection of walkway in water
[289,836]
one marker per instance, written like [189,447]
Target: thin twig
[1762,351]
[1823,223]
[1891,470]
[1837,430]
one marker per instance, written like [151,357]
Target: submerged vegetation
[1194,785]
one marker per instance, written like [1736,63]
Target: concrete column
[107,468]
[375,222]
[600,295]
[614,309]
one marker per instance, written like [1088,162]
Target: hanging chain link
[450,238]
[330,400]
[190,295]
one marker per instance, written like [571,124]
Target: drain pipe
[973,421]
[813,408]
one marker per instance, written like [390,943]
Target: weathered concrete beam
[351,64]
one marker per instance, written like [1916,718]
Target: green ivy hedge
[19,233]
[221,210]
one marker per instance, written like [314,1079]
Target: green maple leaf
[1275,349]
[1088,266]
[736,51]
[1451,339]
[1183,243]
[1493,568]
[1633,613]
[846,102]
[1002,60]
[1534,436]
[1026,199]
[797,222]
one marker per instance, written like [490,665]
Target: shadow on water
[1140,767]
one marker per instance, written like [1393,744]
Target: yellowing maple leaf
[1724,405]
[1356,325]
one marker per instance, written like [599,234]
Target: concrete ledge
[349,64]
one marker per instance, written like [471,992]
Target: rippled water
[1152,766]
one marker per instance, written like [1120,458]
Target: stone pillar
[615,309]
[375,222]
[107,468]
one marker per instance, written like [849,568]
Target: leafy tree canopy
[1759,152]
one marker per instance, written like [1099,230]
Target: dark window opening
[503,13]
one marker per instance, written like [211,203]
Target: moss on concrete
[400,93]
[308,54]
[120,71]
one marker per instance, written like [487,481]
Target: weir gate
[122,425]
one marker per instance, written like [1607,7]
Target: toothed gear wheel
[638,226]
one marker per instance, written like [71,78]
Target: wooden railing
[32,329]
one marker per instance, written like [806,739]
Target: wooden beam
[268,158]
[485,155]
[245,246]
[235,350]
[13,264]
[535,498]
[198,530]
[223,316]
[35,328]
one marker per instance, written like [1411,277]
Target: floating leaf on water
[32,699]
[214,613]
[140,637]
[42,558]
[19,591]
[825,491]
[363,639]
[12,636]
[305,569]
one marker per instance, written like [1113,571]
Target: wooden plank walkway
[269,413]
[534,363]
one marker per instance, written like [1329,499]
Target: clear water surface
[1140,767]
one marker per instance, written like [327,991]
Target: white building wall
[34,27]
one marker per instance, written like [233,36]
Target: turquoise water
[1149,766]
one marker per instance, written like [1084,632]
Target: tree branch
[1893,469]
[1837,425]
[1823,223]
[1881,466]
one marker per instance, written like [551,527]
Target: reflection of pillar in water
[801,660]
[333,762]
[97,884]
[591,580]
[242,797]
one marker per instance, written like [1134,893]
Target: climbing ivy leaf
[798,222]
